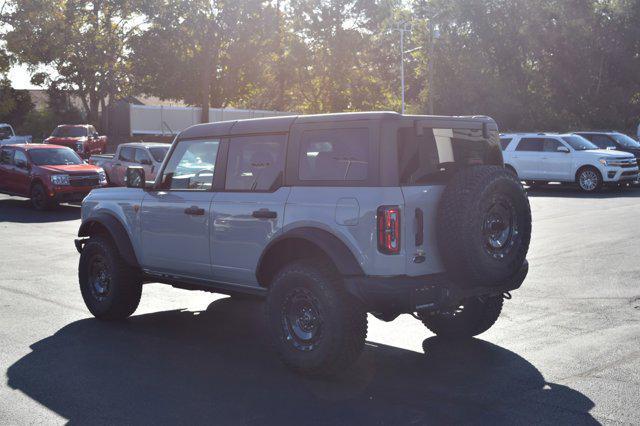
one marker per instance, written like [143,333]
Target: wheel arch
[511,168]
[106,224]
[303,243]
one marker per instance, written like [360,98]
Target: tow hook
[80,242]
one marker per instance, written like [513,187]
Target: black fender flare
[117,232]
[332,246]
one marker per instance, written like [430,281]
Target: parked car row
[590,159]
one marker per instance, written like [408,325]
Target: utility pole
[434,34]
[403,27]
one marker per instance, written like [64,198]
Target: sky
[20,78]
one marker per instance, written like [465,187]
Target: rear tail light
[389,229]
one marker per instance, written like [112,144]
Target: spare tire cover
[484,226]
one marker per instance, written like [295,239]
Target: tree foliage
[531,64]
[85,42]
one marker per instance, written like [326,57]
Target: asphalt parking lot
[565,350]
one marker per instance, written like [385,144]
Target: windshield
[626,141]
[159,153]
[579,143]
[69,132]
[54,157]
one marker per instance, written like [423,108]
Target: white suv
[542,157]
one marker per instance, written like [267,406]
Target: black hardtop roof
[283,124]
[276,124]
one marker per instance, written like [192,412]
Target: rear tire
[472,317]
[317,328]
[111,288]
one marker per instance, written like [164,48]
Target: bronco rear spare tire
[484,226]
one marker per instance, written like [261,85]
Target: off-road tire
[40,200]
[475,316]
[467,204]
[124,284]
[343,320]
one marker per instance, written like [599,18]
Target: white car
[8,136]
[545,157]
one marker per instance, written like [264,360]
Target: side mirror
[563,149]
[95,135]
[135,177]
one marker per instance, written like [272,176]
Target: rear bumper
[391,296]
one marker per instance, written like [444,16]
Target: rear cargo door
[428,155]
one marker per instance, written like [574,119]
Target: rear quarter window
[504,142]
[334,155]
[126,154]
[530,144]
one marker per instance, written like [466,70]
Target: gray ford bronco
[329,217]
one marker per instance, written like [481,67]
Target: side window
[20,159]
[551,145]
[337,154]
[602,141]
[255,163]
[530,144]
[5,132]
[191,166]
[126,154]
[141,155]
[6,157]
[504,142]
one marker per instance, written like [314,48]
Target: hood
[65,141]
[610,153]
[71,169]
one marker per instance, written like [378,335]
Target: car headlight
[60,180]
[79,147]
[102,176]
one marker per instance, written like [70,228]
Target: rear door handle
[264,214]
[194,211]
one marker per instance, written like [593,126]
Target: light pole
[403,27]
[434,34]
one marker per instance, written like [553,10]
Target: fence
[170,120]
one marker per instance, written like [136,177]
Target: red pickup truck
[48,174]
[82,138]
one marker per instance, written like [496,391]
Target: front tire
[317,328]
[472,317]
[589,179]
[111,288]
[40,200]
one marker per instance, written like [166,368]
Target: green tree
[203,52]
[337,59]
[84,42]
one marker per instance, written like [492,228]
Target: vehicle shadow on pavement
[216,367]
[20,211]
[569,191]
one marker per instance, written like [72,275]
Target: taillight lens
[389,229]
